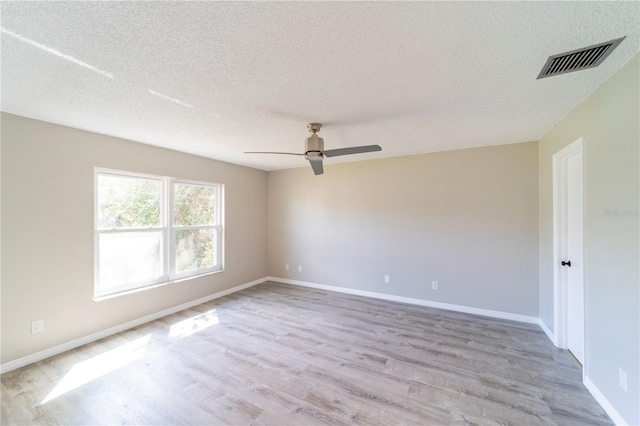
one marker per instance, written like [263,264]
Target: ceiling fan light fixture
[314,156]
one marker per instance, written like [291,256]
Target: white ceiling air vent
[580,59]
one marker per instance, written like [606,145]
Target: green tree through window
[152,230]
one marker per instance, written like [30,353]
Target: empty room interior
[296,213]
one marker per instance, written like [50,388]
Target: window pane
[194,249]
[193,204]
[128,202]
[128,257]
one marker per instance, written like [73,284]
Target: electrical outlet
[286,266]
[37,326]
[622,379]
[387,279]
[434,285]
[299,268]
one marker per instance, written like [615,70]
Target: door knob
[567,263]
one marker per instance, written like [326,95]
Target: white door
[575,284]
[569,296]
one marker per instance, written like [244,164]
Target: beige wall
[47,231]
[468,219]
[608,121]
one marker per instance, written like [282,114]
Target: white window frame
[168,231]
[217,227]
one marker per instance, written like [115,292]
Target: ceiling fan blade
[316,165]
[269,152]
[352,150]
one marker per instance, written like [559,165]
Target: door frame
[560,273]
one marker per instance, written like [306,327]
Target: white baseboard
[604,402]
[39,356]
[548,332]
[412,301]
[591,387]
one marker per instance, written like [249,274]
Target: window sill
[149,287]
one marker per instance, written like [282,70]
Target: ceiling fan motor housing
[314,145]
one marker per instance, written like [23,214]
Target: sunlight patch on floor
[98,366]
[193,325]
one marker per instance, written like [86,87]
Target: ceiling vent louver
[580,59]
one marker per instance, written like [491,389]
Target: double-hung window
[152,230]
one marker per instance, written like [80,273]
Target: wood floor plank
[277,354]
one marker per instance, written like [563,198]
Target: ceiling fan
[315,152]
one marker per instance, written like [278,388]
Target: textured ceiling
[219,78]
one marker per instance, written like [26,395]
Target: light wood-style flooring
[283,355]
